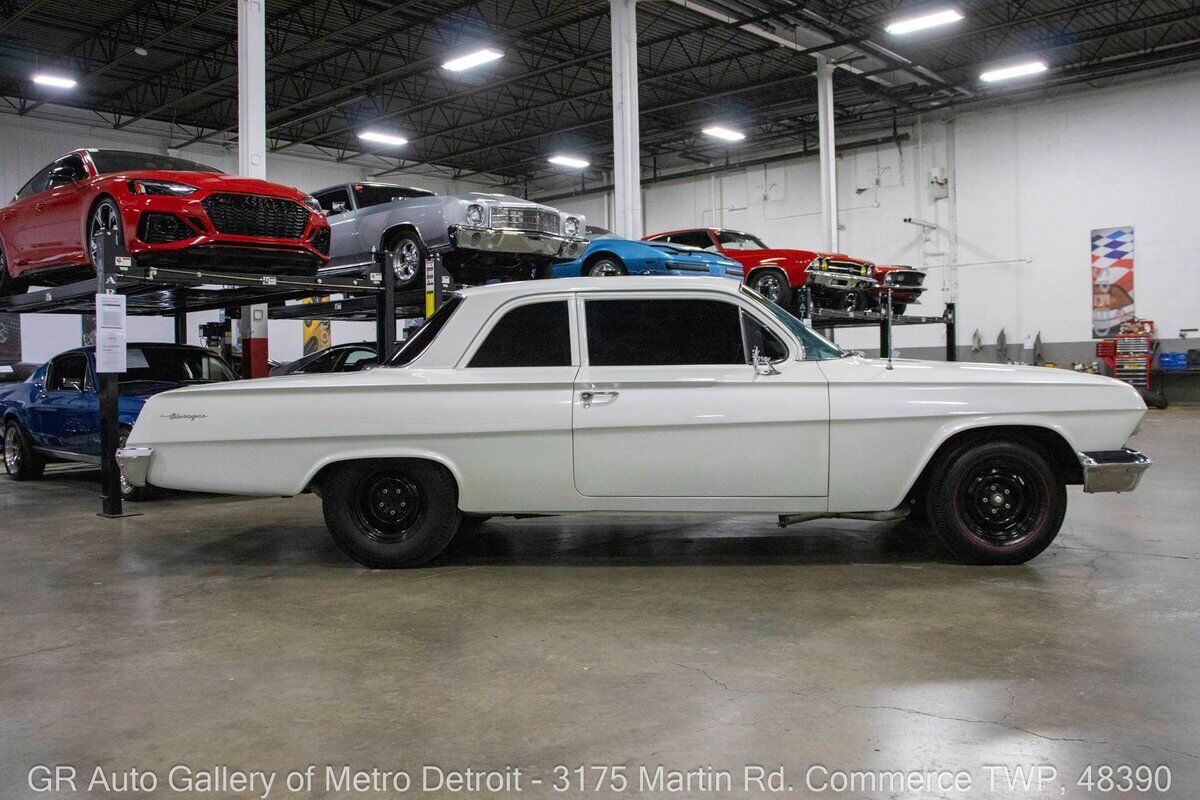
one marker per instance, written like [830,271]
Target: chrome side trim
[1113,470]
[135,463]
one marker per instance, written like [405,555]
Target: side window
[768,344]
[68,373]
[533,335]
[328,199]
[75,172]
[36,184]
[357,360]
[699,239]
[661,331]
[322,363]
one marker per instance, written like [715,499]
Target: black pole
[885,327]
[951,332]
[385,305]
[180,321]
[110,431]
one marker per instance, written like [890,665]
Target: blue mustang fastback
[609,254]
[54,415]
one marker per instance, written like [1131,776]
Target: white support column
[252,156]
[626,135]
[829,218]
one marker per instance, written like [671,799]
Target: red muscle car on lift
[834,279]
[167,211]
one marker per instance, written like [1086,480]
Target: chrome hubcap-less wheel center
[605,269]
[12,453]
[408,260]
[769,287]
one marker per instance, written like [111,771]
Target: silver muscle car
[480,236]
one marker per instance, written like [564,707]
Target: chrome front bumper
[135,463]
[491,240]
[1113,470]
[841,280]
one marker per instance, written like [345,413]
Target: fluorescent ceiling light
[725,133]
[568,161]
[383,138]
[472,59]
[54,80]
[924,21]
[1017,71]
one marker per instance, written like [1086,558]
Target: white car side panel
[886,423]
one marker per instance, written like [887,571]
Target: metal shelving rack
[831,319]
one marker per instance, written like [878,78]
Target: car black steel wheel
[408,261]
[20,462]
[996,503]
[773,285]
[387,513]
[106,216]
[606,268]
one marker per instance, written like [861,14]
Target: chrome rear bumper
[135,463]
[1113,470]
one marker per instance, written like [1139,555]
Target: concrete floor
[218,631]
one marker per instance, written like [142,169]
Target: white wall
[1032,181]
[28,144]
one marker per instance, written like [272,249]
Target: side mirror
[762,364]
[338,208]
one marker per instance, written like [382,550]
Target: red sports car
[169,211]
[835,280]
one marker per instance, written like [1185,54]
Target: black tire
[129,492]
[606,267]
[408,260]
[20,461]
[995,503]
[772,284]
[391,513]
[105,215]
[898,309]
[853,301]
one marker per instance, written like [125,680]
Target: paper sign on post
[110,333]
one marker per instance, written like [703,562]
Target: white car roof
[655,283]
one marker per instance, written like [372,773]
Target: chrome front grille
[525,219]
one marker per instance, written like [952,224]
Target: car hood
[912,370]
[215,182]
[489,198]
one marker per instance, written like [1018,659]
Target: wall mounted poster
[1112,279]
[318,334]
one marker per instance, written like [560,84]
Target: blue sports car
[54,415]
[609,254]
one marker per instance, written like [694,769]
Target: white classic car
[650,395]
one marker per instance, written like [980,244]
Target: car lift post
[181,317]
[110,431]
[951,332]
[433,284]
[385,310]
[885,326]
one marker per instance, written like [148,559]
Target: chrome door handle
[588,397]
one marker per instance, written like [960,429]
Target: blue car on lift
[608,254]
[54,415]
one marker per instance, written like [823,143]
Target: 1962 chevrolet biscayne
[651,395]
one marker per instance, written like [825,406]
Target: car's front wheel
[389,513]
[773,285]
[996,502]
[408,260]
[106,216]
[20,461]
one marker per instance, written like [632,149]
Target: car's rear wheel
[389,513]
[996,503]
[20,461]
[408,260]
[606,267]
[773,285]
[106,216]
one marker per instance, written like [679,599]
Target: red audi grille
[253,215]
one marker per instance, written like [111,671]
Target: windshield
[732,240]
[173,365]
[419,341]
[816,346]
[366,194]
[108,161]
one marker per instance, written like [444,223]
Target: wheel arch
[758,269]
[317,476]
[1048,440]
[392,232]
[601,254]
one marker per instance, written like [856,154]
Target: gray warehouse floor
[221,631]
